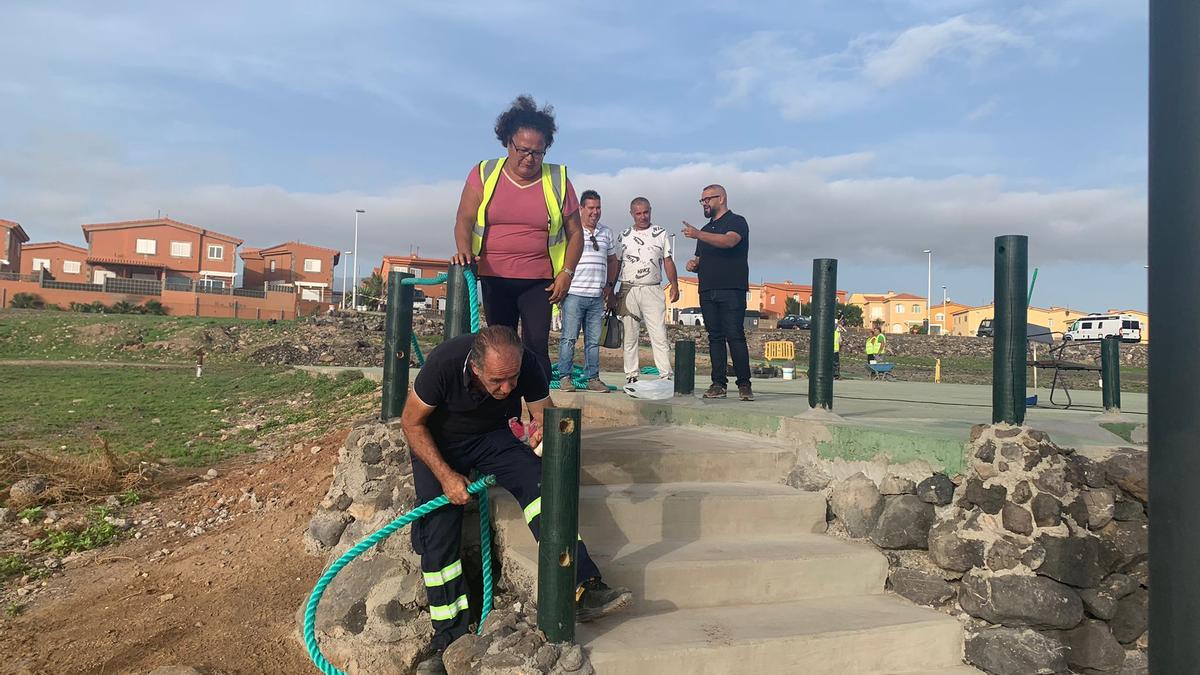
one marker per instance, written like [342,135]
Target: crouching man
[456,421]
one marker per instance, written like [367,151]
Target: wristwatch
[570,272]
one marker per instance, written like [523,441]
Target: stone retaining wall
[1042,552]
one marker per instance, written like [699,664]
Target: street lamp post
[354,288]
[928,287]
[345,274]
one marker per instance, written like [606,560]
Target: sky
[866,131]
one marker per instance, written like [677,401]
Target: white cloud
[811,87]
[911,52]
[984,110]
[821,206]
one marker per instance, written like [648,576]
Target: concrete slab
[671,574]
[649,512]
[829,636]
[659,454]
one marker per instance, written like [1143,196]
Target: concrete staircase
[729,569]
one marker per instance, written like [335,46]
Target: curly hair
[524,114]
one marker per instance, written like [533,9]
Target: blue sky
[863,131]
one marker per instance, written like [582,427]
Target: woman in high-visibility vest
[525,240]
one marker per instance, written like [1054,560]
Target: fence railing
[249,293]
[72,286]
[16,276]
[279,288]
[133,286]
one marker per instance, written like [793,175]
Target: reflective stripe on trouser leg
[534,509]
[450,611]
[446,574]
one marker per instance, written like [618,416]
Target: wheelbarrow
[881,371]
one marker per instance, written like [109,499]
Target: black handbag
[612,336]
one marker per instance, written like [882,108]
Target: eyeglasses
[528,152]
[595,246]
[705,200]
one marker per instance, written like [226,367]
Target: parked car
[691,316]
[419,303]
[985,329]
[793,322]
[1099,326]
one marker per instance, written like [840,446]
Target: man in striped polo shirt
[586,301]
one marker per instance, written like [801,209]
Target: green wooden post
[559,524]
[397,332]
[1009,341]
[1110,373]
[685,367]
[458,311]
[820,345]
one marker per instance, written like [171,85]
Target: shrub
[27,301]
[154,307]
[123,307]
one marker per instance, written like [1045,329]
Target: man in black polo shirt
[721,263]
[456,421]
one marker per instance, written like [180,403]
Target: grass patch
[1122,429]
[56,415]
[98,532]
[12,566]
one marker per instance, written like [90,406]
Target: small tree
[851,314]
[370,291]
[791,306]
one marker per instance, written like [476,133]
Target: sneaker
[595,384]
[631,379]
[432,665]
[594,599]
[715,391]
[745,393]
[566,384]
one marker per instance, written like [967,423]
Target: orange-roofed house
[12,237]
[64,262]
[421,268]
[894,312]
[161,249]
[307,267]
[775,296]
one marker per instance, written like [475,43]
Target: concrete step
[719,572]
[649,512]
[828,636]
[679,454]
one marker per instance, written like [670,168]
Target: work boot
[715,391]
[595,384]
[432,665]
[745,393]
[566,384]
[594,599]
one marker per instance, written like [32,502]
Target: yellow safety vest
[837,340]
[875,344]
[554,187]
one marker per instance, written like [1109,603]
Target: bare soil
[214,581]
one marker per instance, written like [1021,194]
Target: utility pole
[354,288]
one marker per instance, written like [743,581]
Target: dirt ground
[214,582]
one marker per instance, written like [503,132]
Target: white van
[1100,326]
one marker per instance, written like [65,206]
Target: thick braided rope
[479,487]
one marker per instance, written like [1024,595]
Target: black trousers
[438,536]
[724,312]
[509,301]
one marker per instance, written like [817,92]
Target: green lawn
[165,412]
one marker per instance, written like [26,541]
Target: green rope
[478,488]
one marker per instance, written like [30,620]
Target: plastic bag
[651,390]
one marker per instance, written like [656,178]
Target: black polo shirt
[725,268]
[463,410]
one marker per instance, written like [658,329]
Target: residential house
[161,249]
[1058,319]
[894,312]
[64,262]
[12,237]
[943,314]
[421,268]
[689,296]
[307,267]
[775,296]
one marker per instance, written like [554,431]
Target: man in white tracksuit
[644,251]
